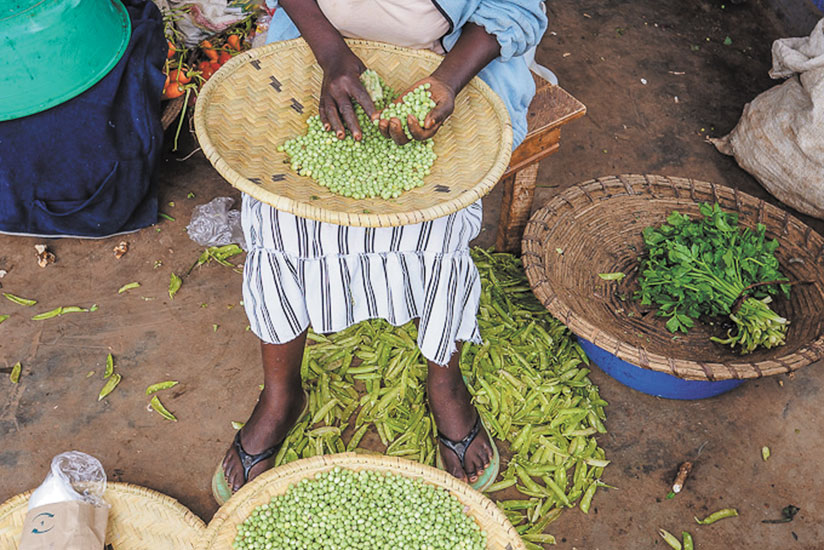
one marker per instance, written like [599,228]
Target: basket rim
[534,243]
[126,489]
[400,466]
[318,213]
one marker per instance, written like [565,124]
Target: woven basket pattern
[222,529]
[140,519]
[262,98]
[595,227]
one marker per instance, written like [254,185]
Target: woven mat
[261,98]
[140,519]
[595,227]
[222,529]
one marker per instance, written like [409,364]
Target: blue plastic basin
[653,382]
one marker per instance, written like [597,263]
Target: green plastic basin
[54,50]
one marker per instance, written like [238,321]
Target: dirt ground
[601,51]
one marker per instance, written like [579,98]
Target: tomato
[233,41]
[206,70]
[179,76]
[173,90]
[224,57]
[209,50]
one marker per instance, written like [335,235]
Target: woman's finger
[360,95]
[383,127]
[322,113]
[350,119]
[396,131]
[334,119]
[438,114]
[419,133]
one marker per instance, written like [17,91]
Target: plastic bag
[73,476]
[213,224]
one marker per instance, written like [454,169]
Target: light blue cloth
[517,24]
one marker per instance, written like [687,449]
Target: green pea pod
[128,286]
[161,386]
[19,301]
[4,317]
[175,283]
[109,386]
[540,538]
[715,516]
[56,312]
[688,543]
[501,485]
[160,409]
[109,366]
[670,539]
[586,500]
[15,373]
[74,309]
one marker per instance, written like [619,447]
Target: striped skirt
[300,272]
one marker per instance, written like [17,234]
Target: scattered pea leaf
[19,301]
[128,286]
[161,410]
[670,495]
[174,285]
[190,195]
[94,307]
[15,373]
[616,276]
[109,386]
[728,41]
[559,250]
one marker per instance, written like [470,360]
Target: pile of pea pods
[529,381]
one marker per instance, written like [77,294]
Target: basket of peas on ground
[358,501]
[257,122]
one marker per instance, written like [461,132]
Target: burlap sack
[780,137]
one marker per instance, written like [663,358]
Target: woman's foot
[276,412]
[455,417]
[279,407]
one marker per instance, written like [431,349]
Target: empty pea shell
[174,285]
[161,410]
[161,386]
[15,373]
[765,453]
[18,300]
[128,286]
[237,425]
[109,386]
[109,366]
[56,312]
[617,276]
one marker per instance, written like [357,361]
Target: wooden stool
[551,108]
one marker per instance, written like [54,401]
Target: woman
[300,271]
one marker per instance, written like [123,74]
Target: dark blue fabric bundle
[83,167]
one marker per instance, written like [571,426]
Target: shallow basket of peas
[256,121]
[352,501]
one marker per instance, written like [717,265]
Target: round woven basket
[222,529]
[263,97]
[140,519]
[595,227]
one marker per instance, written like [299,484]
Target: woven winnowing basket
[263,97]
[595,227]
[222,529]
[139,519]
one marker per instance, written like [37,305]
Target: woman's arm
[472,52]
[341,68]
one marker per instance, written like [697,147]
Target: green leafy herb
[711,268]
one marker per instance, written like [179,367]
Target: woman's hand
[444,97]
[341,86]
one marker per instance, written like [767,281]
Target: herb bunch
[710,267]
